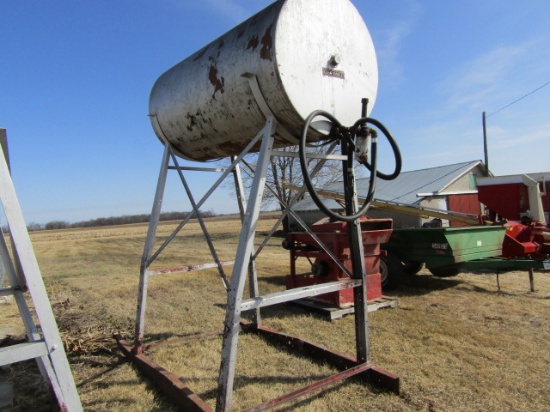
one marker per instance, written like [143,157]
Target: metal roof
[403,189]
[511,179]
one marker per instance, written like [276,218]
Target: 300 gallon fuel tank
[306,55]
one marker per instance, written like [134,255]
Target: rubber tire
[412,268]
[445,271]
[391,272]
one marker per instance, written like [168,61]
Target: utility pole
[4,146]
[485,149]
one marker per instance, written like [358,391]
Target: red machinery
[526,239]
[323,269]
[520,200]
[515,195]
[526,243]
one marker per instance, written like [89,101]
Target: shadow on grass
[244,381]
[418,285]
[279,311]
[107,366]
[101,380]
[155,339]
[273,280]
[410,285]
[479,289]
[165,404]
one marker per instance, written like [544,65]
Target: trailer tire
[391,271]
[445,271]
[412,268]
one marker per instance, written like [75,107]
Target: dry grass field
[458,344]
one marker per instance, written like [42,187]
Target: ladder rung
[22,352]
[298,293]
[8,291]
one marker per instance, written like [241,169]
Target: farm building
[449,188]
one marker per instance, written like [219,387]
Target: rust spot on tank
[253,20]
[200,54]
[192,122]
[203,119]
[217,82]
[267,45]
[229,149]
[253,42]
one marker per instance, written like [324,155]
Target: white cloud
[231,10]
[495,78]
[477,82]
[389,44]
[530,138]
[388,54]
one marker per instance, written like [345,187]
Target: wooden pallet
[333,313]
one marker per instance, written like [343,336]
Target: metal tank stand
[46,347]
[169,383]
[149,255]
[244,266]
[358,367]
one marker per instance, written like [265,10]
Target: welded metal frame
[240,269]
[243,267]
[149,255]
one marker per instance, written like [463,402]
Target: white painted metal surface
[511,179]
[536,210]
[305,54]
[297,293]
[22,352]
[238,277]
[48,350]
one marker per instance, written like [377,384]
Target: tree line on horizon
[112,221]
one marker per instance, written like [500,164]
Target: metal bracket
[264,107]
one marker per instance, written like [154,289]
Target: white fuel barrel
[306,55]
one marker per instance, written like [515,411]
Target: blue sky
[75,79]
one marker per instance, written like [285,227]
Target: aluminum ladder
[25,278]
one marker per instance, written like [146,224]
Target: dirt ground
[457,344]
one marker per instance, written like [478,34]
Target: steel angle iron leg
[299,193]
[359,293]
[205,197]
[201,222]
[148,250]
[44,364]
[238,278]
[239,188]
[288,210]
[357,259]
[252,274]
[30,272]
[373,374]
[149,243]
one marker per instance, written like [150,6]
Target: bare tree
[285,171]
